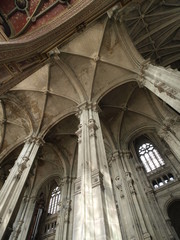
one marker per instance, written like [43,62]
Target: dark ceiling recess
[174,213]
[154,27]
[5,26]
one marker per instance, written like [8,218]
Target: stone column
[149,204]
[19,219]
[122,195]
[136,211]
[170,138]
[28,214]
[95,214]
[165,83]
[64,211]
[14,184]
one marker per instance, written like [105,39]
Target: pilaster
[65,207]
[163,82]
[130,202]
[149,211]
[167,134]
[27,218]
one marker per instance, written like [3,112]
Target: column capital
[142,77]
[66,180]
[35,139]
[115,154]
[125,153]
[87,106]
[118,154]
[163,132]
[114,157]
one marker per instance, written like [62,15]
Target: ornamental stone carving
[22,166]
[130,182]
[79,133]
[118,183]
[92,127]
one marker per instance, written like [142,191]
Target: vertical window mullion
[53,203]
[150,157]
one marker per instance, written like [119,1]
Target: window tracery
[150,157]
[54,200]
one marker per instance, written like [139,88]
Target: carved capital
[116,155]
[163,133]
[35,139]
[87,106]
[39,141]
[125,154]
[66,180]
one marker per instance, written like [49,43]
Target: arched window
[150,156]
[44,219]
[54,200]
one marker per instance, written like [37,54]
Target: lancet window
[159,173]
[54,200]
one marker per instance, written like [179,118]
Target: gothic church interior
[89,120]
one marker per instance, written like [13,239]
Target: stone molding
[96,179]
[55,32]
[87,106]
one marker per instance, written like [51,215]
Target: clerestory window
[54,200]
[150,157]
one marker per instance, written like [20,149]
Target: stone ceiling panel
[60,84]
[87,43]
[84,69]
[36,82]
[55,106]
[16,125]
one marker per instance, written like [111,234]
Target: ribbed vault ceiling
[154,27]
[127,109]
[85,69]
